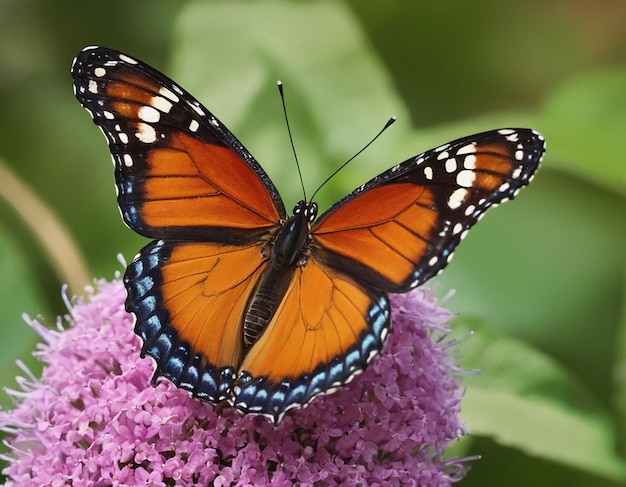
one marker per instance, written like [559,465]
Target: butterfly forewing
[179,172]
[401,228]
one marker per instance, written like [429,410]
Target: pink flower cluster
[93,419]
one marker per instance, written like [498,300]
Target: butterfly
[240,303]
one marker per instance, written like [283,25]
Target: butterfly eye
[299,208]
[311,211]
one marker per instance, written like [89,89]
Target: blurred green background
[540,282]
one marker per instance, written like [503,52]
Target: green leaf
[619,375]
[584,123]
[526,400]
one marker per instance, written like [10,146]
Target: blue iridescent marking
[150,302]
[355,355]
[297,393]
[190,377]
[149,328]
[174,366]
[163,344]
[316,383]
[137,267]
[144,285]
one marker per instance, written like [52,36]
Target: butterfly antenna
[387,125]
[293,147]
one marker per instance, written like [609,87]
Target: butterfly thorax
[286,251]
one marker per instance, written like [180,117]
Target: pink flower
[93,419]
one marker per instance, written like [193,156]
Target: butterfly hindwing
[401,228]
[179,172]
[189,299]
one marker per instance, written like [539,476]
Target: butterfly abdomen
[264,301]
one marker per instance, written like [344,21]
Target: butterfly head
[309,209]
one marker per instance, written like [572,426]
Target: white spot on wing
[469,162]
[149,114]
[519,155]
[513,137]
[467,149]
[428,172]
[443,155]
[128,161]
[93,86]
[451,165]
[197,109]
[469,210]
[127,59]
[146,133]
[194,125]
[167,93]
[161,104]
[456,198]
[100,72]
[465,178]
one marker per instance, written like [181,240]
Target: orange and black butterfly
[237,301]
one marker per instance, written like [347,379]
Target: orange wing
[179,172]
[401,228]
[189,299]
[326,330]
